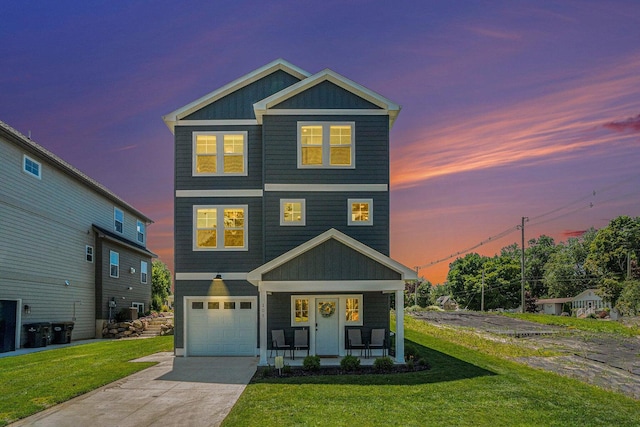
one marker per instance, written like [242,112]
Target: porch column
[263,327]
[400,326]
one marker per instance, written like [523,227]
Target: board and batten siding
[326,95]
[191,261]
[239,104]
[280,135]
[46,225]
[184,160]
[205,288]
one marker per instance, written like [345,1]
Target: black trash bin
[61,332]
[38,334]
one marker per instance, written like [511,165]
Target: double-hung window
[326,145]
[144,270]
[360,212]
[141,231]
[118,220]
[220,228]
[292,212]
[114,264]
[219,153]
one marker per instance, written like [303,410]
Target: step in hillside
[155,326]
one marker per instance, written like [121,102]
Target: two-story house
[70,249]
[282,214]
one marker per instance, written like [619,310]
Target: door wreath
[327,309]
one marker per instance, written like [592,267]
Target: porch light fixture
[67,283]
[218,277]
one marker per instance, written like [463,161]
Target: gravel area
[605,360]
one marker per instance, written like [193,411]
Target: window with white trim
[141,229]
[292,212]
[31,167]
[139,306]
[219,153]
[326,145]
[360,212]
[114,264]
[118,220]
[144,271]
[88,251]
[222,228]
[352,313]
[299,311]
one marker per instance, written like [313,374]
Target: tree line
[604,259]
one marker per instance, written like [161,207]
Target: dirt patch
[605,360]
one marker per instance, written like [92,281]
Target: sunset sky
[509,108]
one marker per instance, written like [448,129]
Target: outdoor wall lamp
[218,277]
[67,283]
[27,309]
[130,288]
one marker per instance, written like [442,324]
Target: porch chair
[378,340]
[278,343]
[300,341]
[355,341]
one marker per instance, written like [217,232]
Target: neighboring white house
[552,305]
[588,302]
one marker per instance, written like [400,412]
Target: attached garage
[221,326]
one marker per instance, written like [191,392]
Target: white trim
[117,265]
[350,220]
[332,285]
[279,64]
[400,326]
[219,193]
[144,271]
[115,220]
[327,187]
[303,214]
[28,172]
[86,253]
[211,276]
[231,122]
[405,272]
[219,154]
[220,228]
[263,327]
[325,146]
[342,307]
[179,352]
[325,112]
[140,224]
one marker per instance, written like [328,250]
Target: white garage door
[221,327]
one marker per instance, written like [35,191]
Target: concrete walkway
[178,391]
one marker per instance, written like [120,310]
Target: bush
[286,369]
[383,364]
[311,363]
[411,353]
[122,315]
[433,308]
[410,364]
[350,363]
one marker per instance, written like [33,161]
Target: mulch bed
[298,371]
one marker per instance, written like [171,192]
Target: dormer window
[326,145]
[219,153]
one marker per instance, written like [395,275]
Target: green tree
[423,288]
[160,284]
[564,272]
[537,255]
[464,280]
[629,301]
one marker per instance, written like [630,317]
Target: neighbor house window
[114,264]
[292,212]
[300,311]
[88,253]
[360,212]
[118,220]
[353,310]
[220,227]
[326,145]
[143,271]
[141,231]
[219,153]
[31,167]
[139,306]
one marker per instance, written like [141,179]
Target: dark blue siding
[326,95]
[371,154]
[239,104]
[184,160]
[188,260]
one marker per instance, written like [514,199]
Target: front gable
[326,95]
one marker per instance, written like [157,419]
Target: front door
[327,327]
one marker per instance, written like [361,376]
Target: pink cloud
[573,233]
[632,124]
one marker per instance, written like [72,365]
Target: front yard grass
[467,385]
[587,325]
[33,382]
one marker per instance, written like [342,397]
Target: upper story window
[360,212]
[143,271]
[220,228]
[141,231]
[219,153]
[114,264]
[292,212]
[326,145]
[88,253]
[31,167]
[118,220]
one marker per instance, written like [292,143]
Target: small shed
[445,302]
[552,305]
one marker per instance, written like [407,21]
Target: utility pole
[524,219]
[482,300]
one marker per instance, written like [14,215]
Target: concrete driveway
[178,391]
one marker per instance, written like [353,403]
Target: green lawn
[588,325]
[465,387]
[33,382]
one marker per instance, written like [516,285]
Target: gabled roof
[109,235]
[26,143]
[388,106]
[405,272]
[279,64]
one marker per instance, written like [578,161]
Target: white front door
[327,327]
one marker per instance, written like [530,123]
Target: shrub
[311,363]
[383,364]
[410,364]
[411,353]
[350,363]
[423,362]
[286,369]
[433,308]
